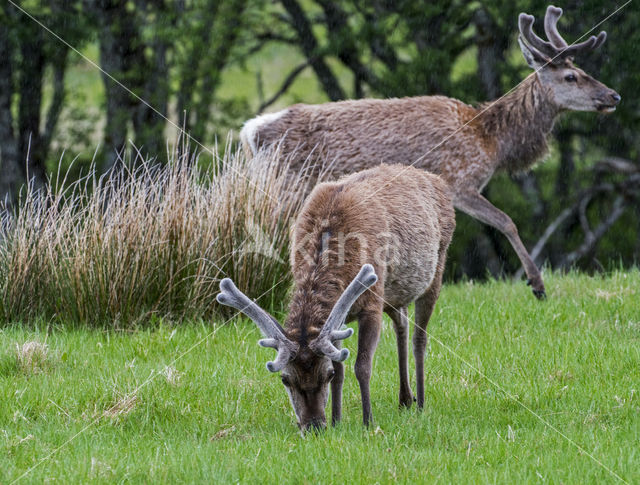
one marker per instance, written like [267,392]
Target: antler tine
[591,43]
[551,27]
[543,48]
[286,351]
[361,283]
[231,296]
[588,44]
[563,49]
[602,36]
[331,330]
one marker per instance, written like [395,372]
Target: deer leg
[423,310]
[369,324]
[401,327]
[480,208]
[336,392]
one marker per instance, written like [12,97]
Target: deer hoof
[406,400]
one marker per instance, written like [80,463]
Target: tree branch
[628,188]
[593,237]
[284,87]
[347,51]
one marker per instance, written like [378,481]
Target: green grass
[219,416]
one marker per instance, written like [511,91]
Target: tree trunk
[149,122]
[192,66]
[115,50]
[57,100]
[10,172]
[230,19]
[336,20]
[30,148]
[309,46]
[490,53]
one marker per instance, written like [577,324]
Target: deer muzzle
[608,102]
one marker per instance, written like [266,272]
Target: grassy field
[194,403]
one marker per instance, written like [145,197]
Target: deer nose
[615,97]
[315,425]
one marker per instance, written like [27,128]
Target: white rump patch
[249,132]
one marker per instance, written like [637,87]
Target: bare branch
[594,236]
[617,165]
[627,187]
[349,55]
[284,87]
[558,221]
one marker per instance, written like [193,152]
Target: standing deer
[462,144]
[396,245]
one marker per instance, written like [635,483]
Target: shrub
[154,240]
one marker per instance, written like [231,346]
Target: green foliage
[194,403]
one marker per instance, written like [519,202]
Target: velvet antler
[556,49]
[231,296]
[331,332]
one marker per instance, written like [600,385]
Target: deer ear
[535,59]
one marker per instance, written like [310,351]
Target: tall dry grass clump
[118,249]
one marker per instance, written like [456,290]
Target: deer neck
[311,303]
[520,123]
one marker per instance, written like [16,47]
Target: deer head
[306,368]
[571,88]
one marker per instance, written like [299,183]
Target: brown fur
[403,230]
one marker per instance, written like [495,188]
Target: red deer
[396,245]
[462,144]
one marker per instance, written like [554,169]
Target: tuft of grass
[149,242]
[32,356]
[122,407]
[172,375]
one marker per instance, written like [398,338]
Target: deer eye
[330,376]
[571,78]
[285,381]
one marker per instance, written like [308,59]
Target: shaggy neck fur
[315,293]
[520,123]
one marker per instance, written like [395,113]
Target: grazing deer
[462,144]
[401,235]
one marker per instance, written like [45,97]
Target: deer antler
[557,49]
[231,296]
[331,332]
